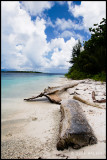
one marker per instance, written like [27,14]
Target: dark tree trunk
[74,129]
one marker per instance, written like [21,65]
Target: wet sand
[33,132]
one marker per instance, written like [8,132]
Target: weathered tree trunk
[53,93]
[74,129]
[54,98]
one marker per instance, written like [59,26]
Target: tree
[96,46]
[76,52]
[92,60]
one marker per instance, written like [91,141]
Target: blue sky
[40,35]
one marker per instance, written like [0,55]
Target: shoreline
[33,132]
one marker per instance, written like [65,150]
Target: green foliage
[76,52]
[81,75]
[100,77]
[90,63]
[76,75]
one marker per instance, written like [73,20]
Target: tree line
[91,61]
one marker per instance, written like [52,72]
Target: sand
[33,132]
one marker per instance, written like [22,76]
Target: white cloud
[63,24]
[91,11]
[49,23]
[36,7]
[69,34]
[23,41]
[61,2]
[66,34]
[61,52]
[24,44]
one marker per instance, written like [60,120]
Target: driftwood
[98,101]
[93,96]
[74,128]
[101,101]
[87,102]
[53,93]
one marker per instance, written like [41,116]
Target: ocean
[17,86]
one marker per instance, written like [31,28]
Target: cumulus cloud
[36,7]
[69,34]
[24,44]
[91,11]
[23,41]
[61,2]
[61,52]
[63,24]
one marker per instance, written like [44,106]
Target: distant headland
[22,71]
[4,71]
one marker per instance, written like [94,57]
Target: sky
[40,35]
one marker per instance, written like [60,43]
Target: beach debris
[39,158]
[34,118]
[101,101]
[74,128]
[54,93]
[54,98]
[98,101]
[93,96]
[87,102]
[90,111]
[103,141]
[76,93]
[9,134]
[62,155]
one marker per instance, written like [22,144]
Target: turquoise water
[17,86]
[21,85]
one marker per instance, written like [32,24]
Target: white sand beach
[33,132]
